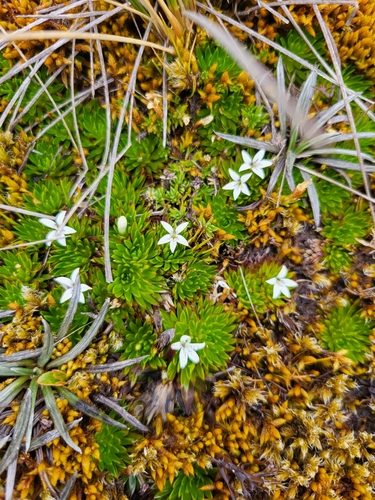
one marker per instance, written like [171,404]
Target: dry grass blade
[337,65]
[114,158]
[77,35]
[20,426]
[99,398]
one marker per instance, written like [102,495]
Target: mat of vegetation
[187,250]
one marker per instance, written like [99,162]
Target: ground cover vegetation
[187,239]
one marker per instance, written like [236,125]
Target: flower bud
[122,224]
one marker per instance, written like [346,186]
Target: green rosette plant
[261,292]
[136,271]
[344,328]
[204,322]
[35,373]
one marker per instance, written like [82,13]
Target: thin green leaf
[10,392]
[71,311]
[57,417]
[11,478]
[348,165]
[65,494]
[335,151]
[88,409]
[34,391]
[47,345]
[12,451]
[99,398]
[84,342]
[49,436]
[314,198]
[4,440]
[12,369]
[20,356]
[300,117]
[279,167]
[6,313]
[117,365]
[248,142]
[322,118]
[281,93]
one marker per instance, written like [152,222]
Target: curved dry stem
[77,35]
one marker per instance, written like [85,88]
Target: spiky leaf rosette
[81,248]
[147,155]
[136,273]
[345,329]
[126,192]
[10,292]
[19,265]
[260,291]
[114,444]
[354,223]
[226,217]
[332,198]
[187,487]
[48,159]
[205,322]
[49,196]
[336,258]
[195,277]
[213,61]
[139,339]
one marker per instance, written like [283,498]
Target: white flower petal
[245,189]
[69,230]
[235,176]
[285,291]
[272,281]
[81,298]
[66,295]
[183,241]
[60,217]
[51,234]
[230,185]
[183,358]
[265,163]
[246,177]
[48,223]
[283,272]
[84,288]
[173,244]
[165,239]
[246,157]
[74,274]
[176,346]
[167,227]
[243,167]
[192,355]
[289,283]
[198,345]
[65,282]
[237,191]
[62,241]
[259,156]
[181,227]
[276,291]
[185,338]
[259,172]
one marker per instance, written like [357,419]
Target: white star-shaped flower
[281,284]
[68,283]
[187,350]
[173,237]
[238,185]
[55,225]
[256,164]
